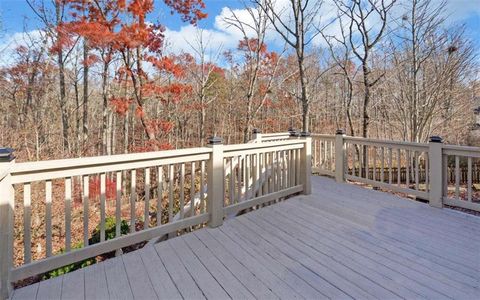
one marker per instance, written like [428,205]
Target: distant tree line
[98,78]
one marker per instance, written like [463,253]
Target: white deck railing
[227,178]
[419,169]
[190,188]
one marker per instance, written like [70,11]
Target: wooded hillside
[98,78]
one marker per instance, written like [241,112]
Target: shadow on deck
[342,241]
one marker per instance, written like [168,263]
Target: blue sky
[16,16]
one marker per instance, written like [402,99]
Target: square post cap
[294,133]
[436,139]
[214,140]
[6,154]
[340,131]
[256,130]
[305,134]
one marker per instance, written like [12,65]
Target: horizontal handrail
[389,143]
[237,147]
[276,134]
[323,136]
[51,169]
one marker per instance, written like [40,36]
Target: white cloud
[10,42]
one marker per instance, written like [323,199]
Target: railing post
[306,163]
[293,133]
[436,171]
[339,156]
[215,180]
[257,135]
[6,221]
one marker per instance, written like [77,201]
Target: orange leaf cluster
[121,104]
[190,10]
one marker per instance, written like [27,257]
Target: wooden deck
[341,242]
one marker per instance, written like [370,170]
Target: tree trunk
[85,97]
[61,75]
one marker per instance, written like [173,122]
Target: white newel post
[215,185]
[436,164]
[6,221]
[257,135]
[340,156]
[306,163]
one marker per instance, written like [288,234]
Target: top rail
[51,169]
[386,143]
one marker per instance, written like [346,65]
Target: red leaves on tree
[121,104]
[190,10]
[168,64]
[252,45]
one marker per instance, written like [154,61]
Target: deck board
[117,280]
[140,283]
[163,284]
[341,242]
[96,282]
[370,250]
[73,286]
[184,282]
[404,276]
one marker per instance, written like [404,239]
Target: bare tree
[201,74]
[255,60]
[360,14]
[298,25]
[428,62]
[341,53]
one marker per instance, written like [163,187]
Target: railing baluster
[231,188]
[146,210]
[239,178]
[48,217]
[417,173]
[469,179]
[68,214]
[360,160]
[399,167]
[192,190]
[367,161]
[276,169]
[271,170]
[170,192]
[332,155]
[324,155]
[291,174]
[133,200]
[407,166]
[27,223]
[374,175]
[86,209]
[264,173]
[382,166]
[182,189]
[102,207]
[247,177]
[256,184]
[297,166]
[390,165]
[457,177]
[285,169]
[427,171]
[202,183]
[160,193]
[118,204]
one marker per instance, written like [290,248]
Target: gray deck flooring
[341,242]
